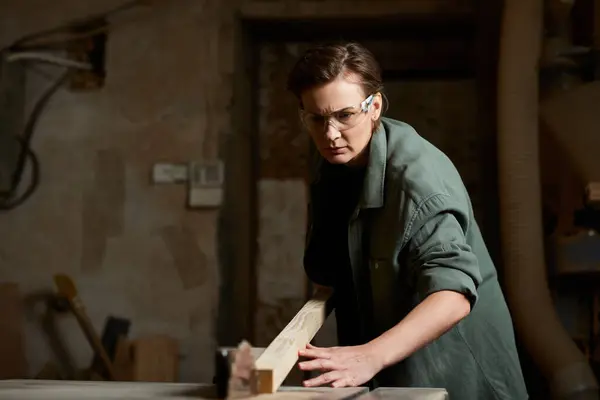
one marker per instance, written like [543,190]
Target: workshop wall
[132,247]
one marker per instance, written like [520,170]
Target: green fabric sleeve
[440,258]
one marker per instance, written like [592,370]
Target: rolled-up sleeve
[440,257]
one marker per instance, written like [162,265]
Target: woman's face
[339,117]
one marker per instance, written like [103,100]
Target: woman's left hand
[345,366]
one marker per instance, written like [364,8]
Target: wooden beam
[278,359]
[269,10]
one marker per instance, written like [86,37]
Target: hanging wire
[48,58]
[79,29]
[13,199]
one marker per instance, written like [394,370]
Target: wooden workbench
[92,390]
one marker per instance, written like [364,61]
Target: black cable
[13,200]
[33,184]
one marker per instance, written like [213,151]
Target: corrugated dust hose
[536,321]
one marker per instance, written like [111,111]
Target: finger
[319,363]
[324,379]
[340,383]
[347,380]
[310,346]
[315,353]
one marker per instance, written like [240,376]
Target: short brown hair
[324,63]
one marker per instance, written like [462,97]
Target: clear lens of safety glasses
[343,119]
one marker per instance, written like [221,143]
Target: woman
[392,231]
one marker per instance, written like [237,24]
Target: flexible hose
[536,321]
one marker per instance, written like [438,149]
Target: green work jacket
[411,233]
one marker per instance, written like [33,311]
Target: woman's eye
[344,115]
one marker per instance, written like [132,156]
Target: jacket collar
[373,187]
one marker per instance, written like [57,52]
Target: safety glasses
[343,119]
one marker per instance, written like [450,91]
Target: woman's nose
[331,132]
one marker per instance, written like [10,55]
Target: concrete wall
[132,248]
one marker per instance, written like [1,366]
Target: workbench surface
[93,390]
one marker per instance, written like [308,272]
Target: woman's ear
[377,106]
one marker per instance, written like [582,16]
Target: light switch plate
[205,184]
[169,173]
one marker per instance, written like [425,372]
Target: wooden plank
[269,10]
[88,390]
[280,356]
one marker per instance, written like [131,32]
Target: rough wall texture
[132,248]
[283,144]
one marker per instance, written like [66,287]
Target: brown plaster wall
[132,248]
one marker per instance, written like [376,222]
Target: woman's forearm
[429,320]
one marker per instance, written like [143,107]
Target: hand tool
[67,289]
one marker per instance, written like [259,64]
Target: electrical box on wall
[12,105]
[205,184]
[91,50]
